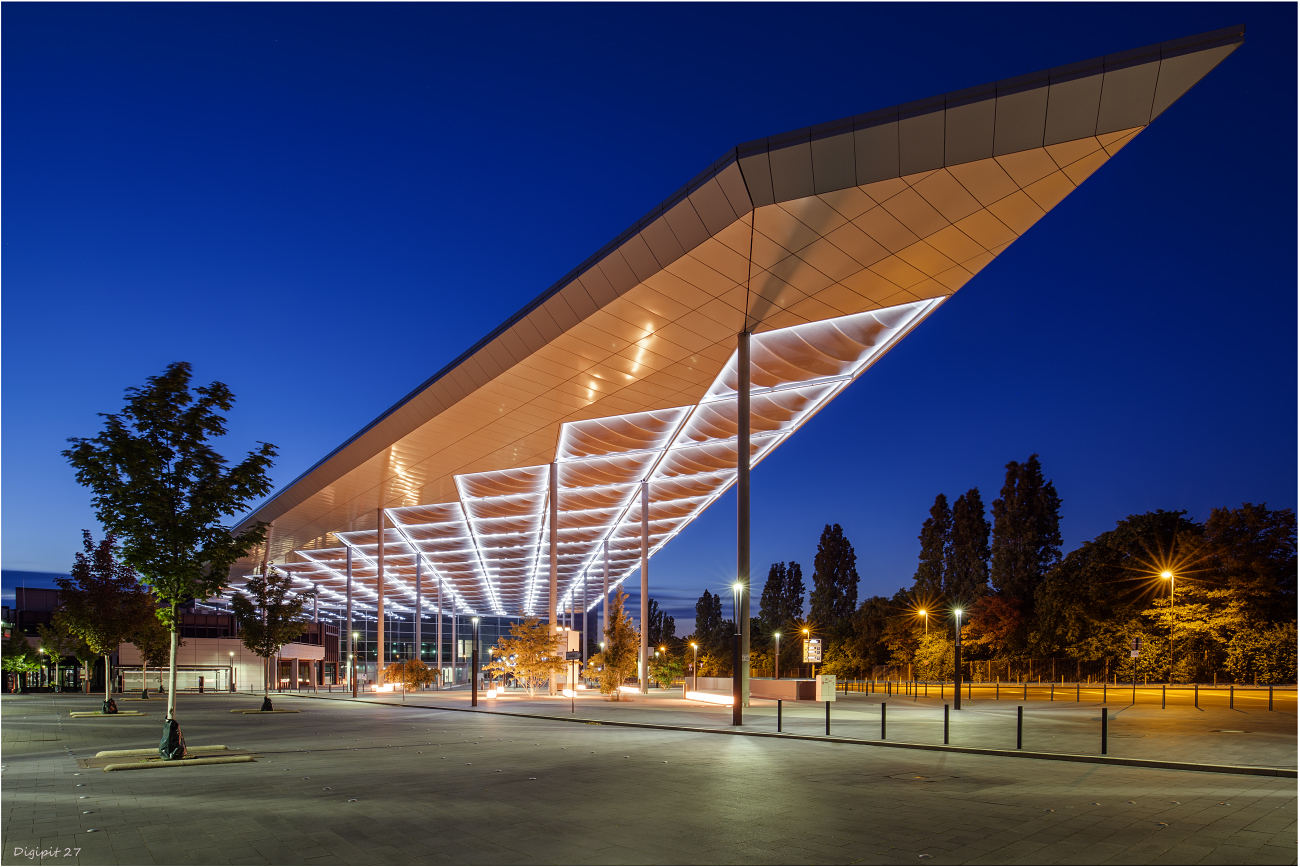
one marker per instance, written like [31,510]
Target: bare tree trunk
[171,673]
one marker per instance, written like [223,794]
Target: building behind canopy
[550,461]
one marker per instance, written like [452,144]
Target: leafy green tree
[712,632]
[153,640]
[1250,552]
[19,657]
[1026,537]
[666,669]
[270,616]
[966,569]
[161,488]
[1263,654]
[57,642]
[934,656]
[618,661]
[835,583]
[102,601]
[530,654]
[936,542]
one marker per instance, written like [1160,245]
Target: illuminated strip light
[487,579]
[400,528]
[397,606]
[710,698]
[442,581]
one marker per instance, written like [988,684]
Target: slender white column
[455,649]
[604,616]
[645,587]
[351,648]
[439,657]
[554,500]
[742,508]
[379,623]
[419,613]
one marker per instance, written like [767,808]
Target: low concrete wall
[787,689]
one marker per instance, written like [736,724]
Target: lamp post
[776,661]
[352,666]
[925,615]
[1169,576]
[695,667]
[810,665]
[473,654]
[956,668]
[232,671]
[737,695]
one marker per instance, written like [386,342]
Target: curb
[122,754]
[140,766]
[939,748]
[82,714]
[241,710]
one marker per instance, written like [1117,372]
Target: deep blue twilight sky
[306,202]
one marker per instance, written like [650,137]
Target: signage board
[573,654]
[1137,644]
[825,687]
[1135,654]
[812,650]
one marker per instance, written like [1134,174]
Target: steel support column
[352,648]
[554,502]
[419,613]
[439,636]
[645,587]
[379,626]
[742,509]
[604,586]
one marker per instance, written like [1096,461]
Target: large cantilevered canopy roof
[828,244]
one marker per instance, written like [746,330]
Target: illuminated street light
[956,669]
[695,667]
[776,661]
[1169,576]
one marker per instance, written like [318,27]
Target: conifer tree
[936,540]
[771,605]
[966,572]
[792,596]
[1026,531]
[835,582]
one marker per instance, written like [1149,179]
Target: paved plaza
[382,783]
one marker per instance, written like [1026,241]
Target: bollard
[997,691]
[942,685]
[1196,695]
[882,720]
[828,719]
[1103,692]
[1104,720]
[778,714]
[945,723]
[1026,698]
[1230,688]
[1076,691]
[1020,726]
[1270,698]
[1162,696]
[1052,693]
[968,689]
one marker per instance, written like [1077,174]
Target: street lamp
[925,615]
[805,637]
[956,669]
[695,667]
[232,671]
[776,662]
[1169,576]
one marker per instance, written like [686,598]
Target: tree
[936,540]
[58,642]
[666,669]
[161,488]
[781,603]
[662,628]
[835,582]
[269,617]
[411,674]
[19,657]
[618,661]
[1251,552]
[1026,536]
[153,640]
[966,570]
[530,653]
[102,601]
[1264,654]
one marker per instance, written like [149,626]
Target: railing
[1183,693]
